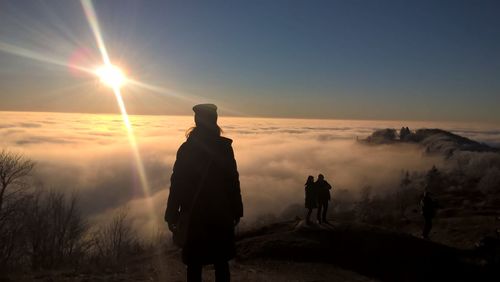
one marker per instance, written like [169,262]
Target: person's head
[310,179]
[205,118]
[321,177]
[205,115]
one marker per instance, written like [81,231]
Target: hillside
[293,251]
[368,250]
[434,140]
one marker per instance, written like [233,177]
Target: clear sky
[424,60]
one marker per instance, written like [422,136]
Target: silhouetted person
[429,207]
[311,197]
[205,204]
[323,188]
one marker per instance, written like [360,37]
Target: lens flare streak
[19,51]
[133,142]
[163,90]
[94,25]
[91,16]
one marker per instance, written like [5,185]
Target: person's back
[323,190]
[311,199]
[323,194]
[429,207]
[205,201]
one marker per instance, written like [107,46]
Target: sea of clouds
[91,155]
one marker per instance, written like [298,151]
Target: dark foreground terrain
[293,251]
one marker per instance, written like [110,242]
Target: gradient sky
[403,60]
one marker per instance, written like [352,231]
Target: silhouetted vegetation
[383,136]
[14,170]
[45,229]
[54,230]
[435,141]
[113,240]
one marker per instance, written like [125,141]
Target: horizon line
[264,117]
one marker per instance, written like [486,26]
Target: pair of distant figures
[317,196]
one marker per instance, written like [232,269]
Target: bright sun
[111,75]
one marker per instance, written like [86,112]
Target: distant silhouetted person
[429,207]
[323,188]
[205,204]
[311,197]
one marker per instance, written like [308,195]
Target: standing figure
[428,206]
[323,188]
[311,197]
[204,204]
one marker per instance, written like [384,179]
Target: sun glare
[111,75]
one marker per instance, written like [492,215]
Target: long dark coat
[428,207]
[311,196]
[323,191]
[210,236]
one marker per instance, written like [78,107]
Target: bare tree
[113,239]
[14,168]
[43,228]
[54,229]
[159,239]
[364,205]
[12,239]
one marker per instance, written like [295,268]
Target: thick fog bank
[91,154]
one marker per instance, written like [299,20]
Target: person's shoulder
[185,146]
[226,141]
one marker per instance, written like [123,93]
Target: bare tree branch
[14,168]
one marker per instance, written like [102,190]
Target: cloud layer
[91,154]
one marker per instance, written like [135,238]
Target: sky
[399,60]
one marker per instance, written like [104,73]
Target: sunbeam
[183,96]
[91,16]
[163,90]
[133,145]
[112,79]
[22,52]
